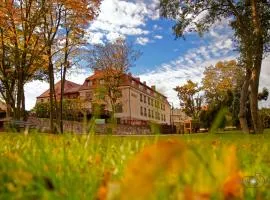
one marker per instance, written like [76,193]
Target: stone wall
[43,125]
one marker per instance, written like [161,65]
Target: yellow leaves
[94,160]
[18,179]
[14,157]
[154,161]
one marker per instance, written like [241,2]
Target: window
[152,114]
[141,97]
[89,83]
[118,108]
[149,113]
[149,101]
[145,114]
[144,99]
[141,110]
[42,100]
[101,81]
[119,93]
[88,96]
[152,102]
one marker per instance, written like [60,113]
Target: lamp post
[171,115]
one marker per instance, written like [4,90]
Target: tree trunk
[256,70]
[253,97]
[63,80]
[23,105]
[51,83]
[243,99]
[19,96]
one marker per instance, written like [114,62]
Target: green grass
[41,166]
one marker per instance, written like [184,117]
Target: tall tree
[190,99]
[70,17]
[74,24]
[113,60]
[250,19]
[21,49]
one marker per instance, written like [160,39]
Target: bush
[72,109]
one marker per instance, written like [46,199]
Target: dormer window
[89,83]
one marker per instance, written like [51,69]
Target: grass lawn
[197,166]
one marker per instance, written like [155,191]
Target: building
[138,104]
[180,120]
[71,91]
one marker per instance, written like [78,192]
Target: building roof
[70,87]
[98,75]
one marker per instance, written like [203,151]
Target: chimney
[138,79]
[144,83]
[153,87]
[129,74]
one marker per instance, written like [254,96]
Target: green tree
[222,85]
[190,98]
[249,20]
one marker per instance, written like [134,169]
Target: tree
[73,16]
[249,20]
[220,78]
[222,85]
[190,99]
[113,60]
[21,50]
[75,21]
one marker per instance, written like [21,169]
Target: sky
[165,61]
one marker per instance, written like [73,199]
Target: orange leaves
[154,161]
[102,193]
[171,169]
[233,187]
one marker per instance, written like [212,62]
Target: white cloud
[96,38]
[264,80]
[122,18]
[159,37]
[112,36]
[142,40]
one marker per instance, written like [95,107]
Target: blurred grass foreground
[203,166]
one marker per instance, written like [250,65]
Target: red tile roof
[98,75]
[70,87]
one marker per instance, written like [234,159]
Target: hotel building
[138,103]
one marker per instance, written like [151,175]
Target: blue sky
[165,61]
